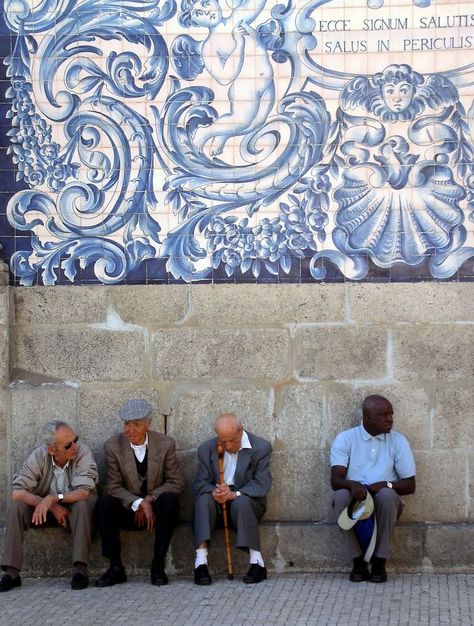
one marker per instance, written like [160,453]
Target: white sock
[256,557]
[201,557]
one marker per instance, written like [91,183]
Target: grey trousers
[388,508]
[245,513]
[19,520]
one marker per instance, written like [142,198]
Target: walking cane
[220,460]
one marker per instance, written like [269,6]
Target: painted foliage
[218,137]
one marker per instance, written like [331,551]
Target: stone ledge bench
[286,546]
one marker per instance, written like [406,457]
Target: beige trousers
[19,520]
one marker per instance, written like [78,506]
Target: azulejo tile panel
[237,140]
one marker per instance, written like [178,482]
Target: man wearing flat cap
[371,458]
[143,484]
[56,486]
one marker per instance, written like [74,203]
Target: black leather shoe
[360,571]
[256,574]
[7,582]
[378,573]
[79,581]
[202,576]
[113,576]
[158,575]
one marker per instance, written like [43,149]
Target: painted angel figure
[234,55]
[400,193]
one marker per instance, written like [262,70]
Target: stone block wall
[294,361]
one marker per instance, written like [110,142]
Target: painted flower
[320,183]
[272,247]
[36,177]
[49,151]
[25,109]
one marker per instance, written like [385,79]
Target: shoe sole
[203,583]
[102,586]
[253,582]
[359,579]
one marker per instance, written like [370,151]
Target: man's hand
[147,513]
[40,513]
[223,493]
[61,514]
[140,519]
[358,490]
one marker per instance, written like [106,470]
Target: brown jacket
[164,473]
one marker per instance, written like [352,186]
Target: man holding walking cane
[240,496]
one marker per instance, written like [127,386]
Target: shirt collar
[366,436]
[245,441]
[141,446]
[62,469]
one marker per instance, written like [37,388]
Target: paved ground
[316,599]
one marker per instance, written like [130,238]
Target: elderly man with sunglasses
[56,484]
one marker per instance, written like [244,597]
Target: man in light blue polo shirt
[372,457]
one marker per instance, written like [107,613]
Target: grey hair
[47,435]
[238,421]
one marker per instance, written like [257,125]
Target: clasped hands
[223,493]
[358,490]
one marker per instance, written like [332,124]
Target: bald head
[377,413]
[229,429]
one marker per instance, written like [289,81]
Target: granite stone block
[87,354]
[32,408]
[341,352]
[63,305]
[205,355]
[265,305]
[194,410]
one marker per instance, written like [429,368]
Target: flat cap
[135,410]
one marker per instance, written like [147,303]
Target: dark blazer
[252,474]
[164,473]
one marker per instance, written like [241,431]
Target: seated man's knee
[107,504]
[83,507]
[167,500]
[242,502]
[341,499]
[18,508]
[204,500]
[386,497]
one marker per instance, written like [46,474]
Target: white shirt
[371,459]
[230,460]
[139,452]
[60,481]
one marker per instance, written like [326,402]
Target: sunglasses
[66,446]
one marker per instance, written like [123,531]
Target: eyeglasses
[66,446]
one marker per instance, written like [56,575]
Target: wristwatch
[389,484]
[60,497]
[238,493]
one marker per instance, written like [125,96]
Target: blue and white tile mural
[237,140]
